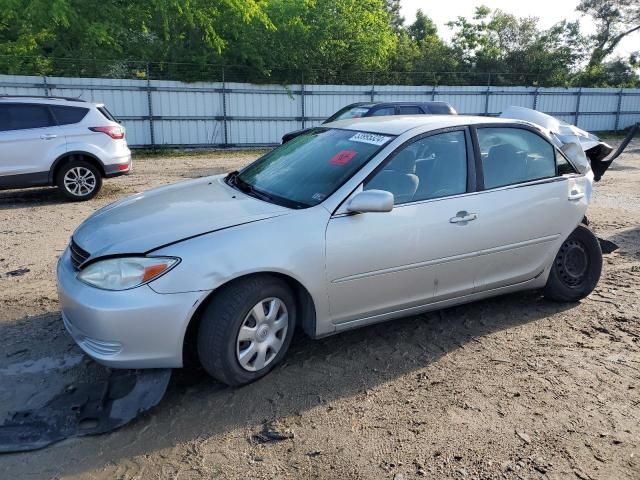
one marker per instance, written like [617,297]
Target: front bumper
[135,328]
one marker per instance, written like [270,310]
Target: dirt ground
[513,387]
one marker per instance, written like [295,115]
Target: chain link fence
[188,105]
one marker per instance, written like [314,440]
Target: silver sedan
[354,223]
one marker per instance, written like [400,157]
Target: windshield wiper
[236,181]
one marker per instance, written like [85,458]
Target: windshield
[303,172]
[348,112]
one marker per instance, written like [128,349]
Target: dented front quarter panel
[291,245]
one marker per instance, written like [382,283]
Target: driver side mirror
[371,201]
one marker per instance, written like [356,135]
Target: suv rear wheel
[79,180]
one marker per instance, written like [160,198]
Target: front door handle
[576,195]
[48,136]
[463,217]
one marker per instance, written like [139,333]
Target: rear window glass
[383,111]
[69,115]
[24,116]
[514,155]
[410,110]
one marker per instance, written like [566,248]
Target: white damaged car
[354,223]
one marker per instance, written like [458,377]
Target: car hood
[146,221]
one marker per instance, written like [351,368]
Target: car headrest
[502,153]
[404,162]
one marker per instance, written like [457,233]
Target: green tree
[615,20]
[70,31]
[393,7]
[515,50]
[324,39]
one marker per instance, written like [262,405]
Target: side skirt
[24,180]
[530,284]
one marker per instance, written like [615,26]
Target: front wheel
[576,268]
[79,180]
[246,329]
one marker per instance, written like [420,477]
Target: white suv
[60,141]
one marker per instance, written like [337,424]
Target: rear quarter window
[69,115]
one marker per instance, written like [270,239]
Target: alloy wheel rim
[80,181]
[261,334]
[572,263]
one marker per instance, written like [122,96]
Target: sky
[548,11]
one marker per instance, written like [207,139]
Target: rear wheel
[79,180]
[576,268]
[246,329]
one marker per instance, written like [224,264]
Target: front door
[421,251]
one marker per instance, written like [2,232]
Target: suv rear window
[69,115]
[15,116]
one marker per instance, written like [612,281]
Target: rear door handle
[463,217]
[576,195]
[48,136]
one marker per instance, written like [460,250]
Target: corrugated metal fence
[170,113]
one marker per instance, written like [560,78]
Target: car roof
[396,102]
[47,100]
[399,124]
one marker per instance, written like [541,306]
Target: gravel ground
[512,387]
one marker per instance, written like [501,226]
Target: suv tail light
[117,133]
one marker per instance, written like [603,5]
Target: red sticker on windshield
[343,157]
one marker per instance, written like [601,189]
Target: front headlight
[126,272]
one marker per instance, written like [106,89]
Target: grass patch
[143,154]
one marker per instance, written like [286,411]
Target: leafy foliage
[343,41]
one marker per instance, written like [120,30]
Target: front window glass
[514,155]
[432,167]
[303,172]
[24,116]
[383,111]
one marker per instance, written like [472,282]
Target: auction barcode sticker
[371,138]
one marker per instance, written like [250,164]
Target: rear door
[531,200]
[29,140]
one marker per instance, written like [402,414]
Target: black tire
[85,191]
[227,312]
[576,268]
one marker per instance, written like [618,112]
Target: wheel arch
[305,306]
[74,155]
